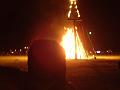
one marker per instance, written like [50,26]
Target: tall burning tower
[71,41]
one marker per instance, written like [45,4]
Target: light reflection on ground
[107,57]
[84,75]
[20,62]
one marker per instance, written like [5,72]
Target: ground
[94,75]
[82,75]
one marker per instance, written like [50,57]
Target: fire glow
[68,43]
[71,42]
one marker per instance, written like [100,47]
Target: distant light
[12,52]
[109,51]
[20,50]
[98,52]
[25,47]
[90,33]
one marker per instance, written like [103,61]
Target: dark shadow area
[46,66]
[46,69]
[82,75]
[11,78]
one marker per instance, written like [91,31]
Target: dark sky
[101,17]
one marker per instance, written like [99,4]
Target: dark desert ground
[81,74]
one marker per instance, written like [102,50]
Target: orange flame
[71,42]
[68,43]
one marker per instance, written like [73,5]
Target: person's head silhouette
[47,65]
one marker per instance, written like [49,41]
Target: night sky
[101,17]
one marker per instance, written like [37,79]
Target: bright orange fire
[68,43]
[71,42]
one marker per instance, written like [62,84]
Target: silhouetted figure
[46,66]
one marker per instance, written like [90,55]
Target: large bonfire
[71,41]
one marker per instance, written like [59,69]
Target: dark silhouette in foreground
[12,78]
[46,66]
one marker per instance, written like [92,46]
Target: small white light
[71,2]
[90,33]
[70,6]
[77,11]
[76,6]
[25,47]
[20,50]
[75,2]
[78,15]
[98,52]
